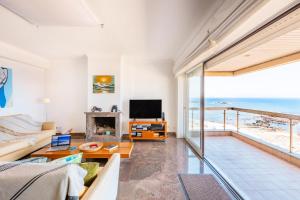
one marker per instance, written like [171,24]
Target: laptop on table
[60,142]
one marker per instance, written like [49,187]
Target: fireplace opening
[105,125]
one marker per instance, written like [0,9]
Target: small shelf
[147,131]
[148,138]
[148,134]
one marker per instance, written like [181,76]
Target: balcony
[257,152]
[274,130]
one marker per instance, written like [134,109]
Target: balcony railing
[276,129]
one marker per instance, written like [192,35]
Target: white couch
[105,186]
[20,135]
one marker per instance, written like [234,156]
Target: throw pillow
[75,159]
[92,169]
[34,160]
[7,131]
[6,136]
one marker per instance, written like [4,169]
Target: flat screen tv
[145,109]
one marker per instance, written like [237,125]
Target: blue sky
[277,82]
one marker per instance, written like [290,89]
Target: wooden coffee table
[124,149]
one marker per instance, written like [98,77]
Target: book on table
[111,147]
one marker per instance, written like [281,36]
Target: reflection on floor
[257,174]
[151,172]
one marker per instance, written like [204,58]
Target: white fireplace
[103,123]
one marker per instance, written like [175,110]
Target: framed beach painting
[5,87]
[103,84]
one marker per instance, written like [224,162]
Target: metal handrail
[253,111]
[290,117]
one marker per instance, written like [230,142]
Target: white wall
[28,81]
[18,55]
[67,90]
[28,89]
[69,86]
[149,79]
[106,65]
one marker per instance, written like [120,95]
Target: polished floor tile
[152,171]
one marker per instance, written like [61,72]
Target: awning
[275,44]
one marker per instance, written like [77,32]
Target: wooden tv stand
[147,130]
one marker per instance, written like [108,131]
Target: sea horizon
[272,104]
[279,105]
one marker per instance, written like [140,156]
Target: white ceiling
[53,12]
[152,28]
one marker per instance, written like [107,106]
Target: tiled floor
[152,171]
[257,174]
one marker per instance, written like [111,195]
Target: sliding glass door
[194,109]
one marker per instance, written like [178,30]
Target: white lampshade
[46,100]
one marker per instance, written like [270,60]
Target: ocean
[281,105]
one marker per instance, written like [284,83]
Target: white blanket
[28,181]
[19,124]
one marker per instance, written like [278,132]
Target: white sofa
[20,135]
[105,186]
[57,180]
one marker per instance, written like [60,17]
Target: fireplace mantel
[103,114]
[91,125]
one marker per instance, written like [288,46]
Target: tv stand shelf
[147,130]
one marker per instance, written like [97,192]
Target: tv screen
[145,109]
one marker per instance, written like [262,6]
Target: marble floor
[254,173]
[152,171]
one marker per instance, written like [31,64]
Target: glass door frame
[199,150]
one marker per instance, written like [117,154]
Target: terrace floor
[254,173]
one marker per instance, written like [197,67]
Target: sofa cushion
[41,135]
[7,131]
[11,143]
[6,137]
[92,169]
[19,124]
[48,126]
[50,181]
[74,159]
[12,146]
[32,138]
[34,160]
